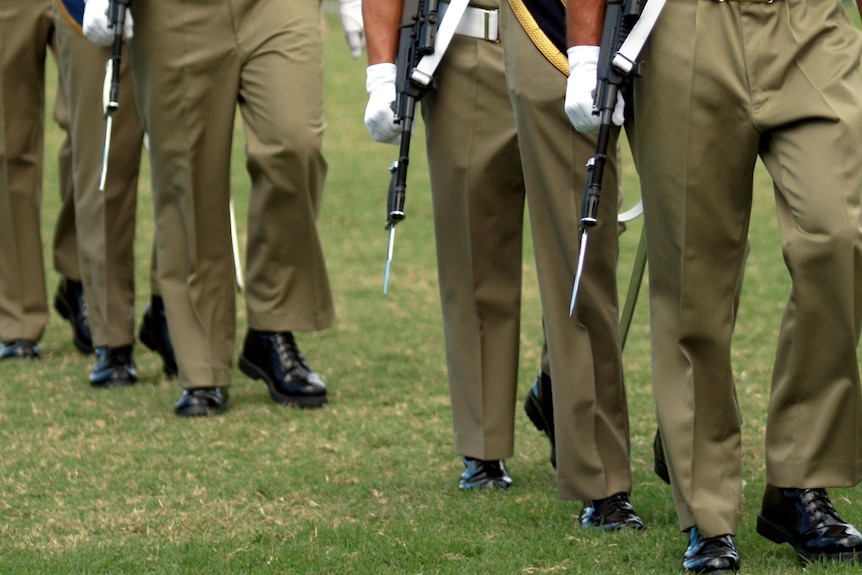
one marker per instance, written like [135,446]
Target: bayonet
[111,87]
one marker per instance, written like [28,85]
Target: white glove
[581,88]
[379,117]
[97,23]
[354,29]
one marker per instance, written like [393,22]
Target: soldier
[589,408]
[478,199]
[26,33]
[106,218]
[264,57]
[778,80]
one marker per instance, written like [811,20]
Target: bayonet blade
[389,257]
[582,253]
[104,174]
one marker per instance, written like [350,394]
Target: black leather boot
[155,335]
[806,520]
[539,407]
[114,367]
[275,358]
[70,304]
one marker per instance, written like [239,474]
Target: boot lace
[617,507]
[287,350]
[817,502]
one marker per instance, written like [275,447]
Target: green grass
[97,482]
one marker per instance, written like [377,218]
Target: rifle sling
[626,57]
[423,73]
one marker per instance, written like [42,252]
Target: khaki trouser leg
[65,243]
[478,196]
[697,213]
[189,118]
[25,28]
[282,109]
[814,423]
[107,229]
[692,297]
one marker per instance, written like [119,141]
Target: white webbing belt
[456,17]
[479,23]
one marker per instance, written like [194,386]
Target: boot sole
[111,383]
[496,484]
[254,372]
[199,411]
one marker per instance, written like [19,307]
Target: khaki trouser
[478,195]
[26,29]
[106,218]
[192,64]
[727,82]
[590,410]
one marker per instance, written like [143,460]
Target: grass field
[99,482]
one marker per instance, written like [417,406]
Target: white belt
[480,23]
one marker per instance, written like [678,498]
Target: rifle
[111,96]
[620,18]
[415,40]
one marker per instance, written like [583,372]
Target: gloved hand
[354,29]
[581,87]
[96,24]
[379,117]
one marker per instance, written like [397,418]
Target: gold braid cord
[538,35]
